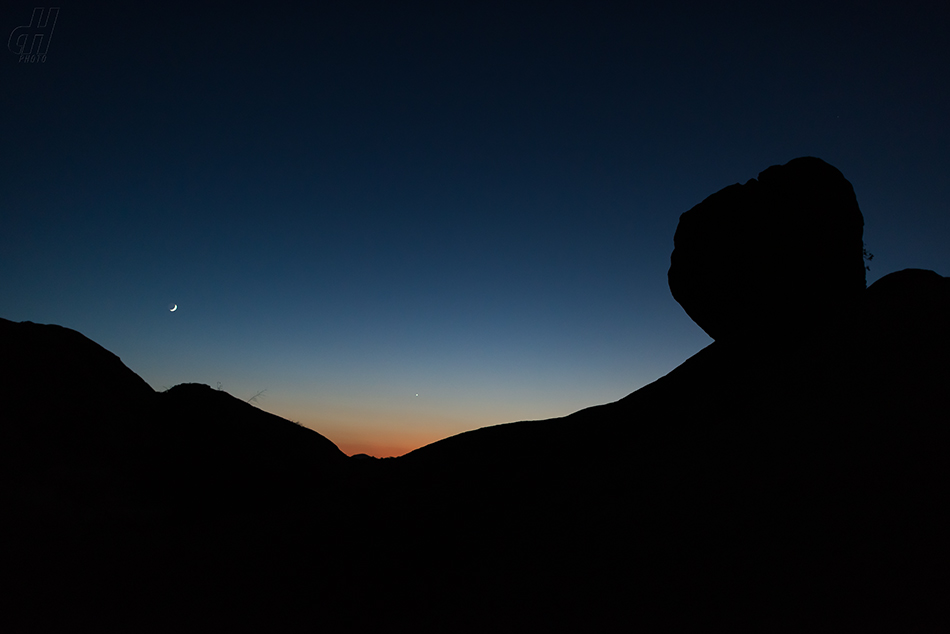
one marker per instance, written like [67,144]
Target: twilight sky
[405,220]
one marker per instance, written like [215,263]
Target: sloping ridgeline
[791,476]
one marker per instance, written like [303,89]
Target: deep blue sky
[354,203]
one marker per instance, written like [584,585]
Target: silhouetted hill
[79,413]
[218,449]
[67,436]
[791,476]
[116,498]
[766,484]
[897,341]
[54,370]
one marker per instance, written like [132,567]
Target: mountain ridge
[675,454]
[790,476]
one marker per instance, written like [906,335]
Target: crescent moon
[173,308]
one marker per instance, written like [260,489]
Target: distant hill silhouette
[79,409]
[791,476]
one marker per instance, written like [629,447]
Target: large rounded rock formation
[781,255]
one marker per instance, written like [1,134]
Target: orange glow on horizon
[376,449]
[380,444]
[385,431]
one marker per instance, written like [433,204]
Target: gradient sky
[356,203]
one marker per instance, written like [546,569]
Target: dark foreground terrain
[792,476]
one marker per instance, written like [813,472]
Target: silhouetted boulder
[780,255]
[907,334]
[910,310]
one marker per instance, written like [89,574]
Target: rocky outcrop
[779,255]
[769,484]
[906,344]
[908,310]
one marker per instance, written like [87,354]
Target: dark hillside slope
[783,484]
[122,506]
[792,476]
[766,484]
[218,449]
[69,407]
[76,413]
